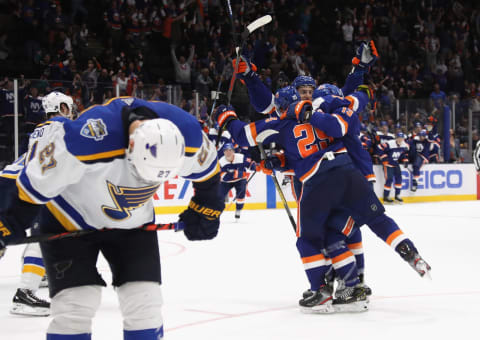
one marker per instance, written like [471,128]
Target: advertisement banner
[437,182]
[173,196]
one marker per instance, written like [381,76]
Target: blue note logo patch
[126,199]
[94,128]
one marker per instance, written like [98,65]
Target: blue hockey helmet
[228,146]
[303,81]
[400,135]
[284,97]
[326,90]
[383,123]
[423,133]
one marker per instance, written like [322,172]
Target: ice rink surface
[245,284]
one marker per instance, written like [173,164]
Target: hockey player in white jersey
[100,172]
[25,300]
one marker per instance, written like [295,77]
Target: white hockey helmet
[51,104]
[156,150]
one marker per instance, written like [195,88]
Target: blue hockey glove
[223,115]
[366,55]
[273,162]
[300,111]
[245,69]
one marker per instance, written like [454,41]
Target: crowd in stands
[430,52]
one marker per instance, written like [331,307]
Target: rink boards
[438,182]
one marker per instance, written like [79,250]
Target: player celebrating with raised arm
[101,171]
[314,149]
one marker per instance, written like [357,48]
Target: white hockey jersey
[79,169]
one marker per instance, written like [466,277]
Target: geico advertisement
[435,179]
[177,193]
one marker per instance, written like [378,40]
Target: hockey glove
[300,111]
[365,56]
[223,115]
[273,162]
[5,235]
[245,69]
[202,217]
[372,102]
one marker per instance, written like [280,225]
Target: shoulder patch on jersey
[128,101]
[94,128]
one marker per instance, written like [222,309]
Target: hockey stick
[177,226]
[259,140]
[260,22]
[236,194]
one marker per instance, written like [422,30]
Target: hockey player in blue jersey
[313,146]
[263,100]
[234,167]
[100,172]
[419,154]
[392,153]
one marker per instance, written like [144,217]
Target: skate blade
[354,307]
[321,309]
[19,309]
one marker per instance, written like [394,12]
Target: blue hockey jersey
[391,153]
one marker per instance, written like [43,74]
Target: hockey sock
[343,261]
[314,262]
[386,228]
[144,334]
[355,245]
[398,190]
[386,192]
[83,336]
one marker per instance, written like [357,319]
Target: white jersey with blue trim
[79,169]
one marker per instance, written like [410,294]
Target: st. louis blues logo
[126,199]
[94,128]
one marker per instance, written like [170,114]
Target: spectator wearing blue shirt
[438,96]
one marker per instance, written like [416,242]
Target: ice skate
[398,200]
[319,302]
[25,302]
[414,185]
[368,290]
[387,200]
[350,299]
[44,282]
[237,215]
[414,260]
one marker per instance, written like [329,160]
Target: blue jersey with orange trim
[79,169]
[304,144]
[391,153]
[419,147]
[357,102]
[235,170]
[263,100]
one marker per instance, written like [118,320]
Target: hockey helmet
[228,146]
[400,135]
[423,133]
[284,97]
[326,90]
[156,150]
[52,103]
[303,81]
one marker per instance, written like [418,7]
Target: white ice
[245,284]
